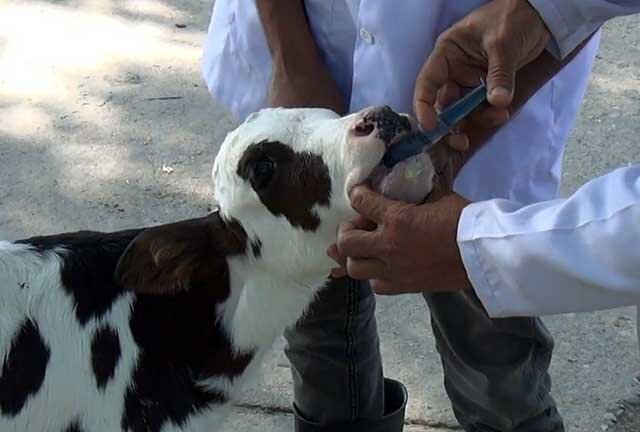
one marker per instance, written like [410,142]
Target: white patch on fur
[69,390]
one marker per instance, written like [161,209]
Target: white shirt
[375,49]
[555,256]
[575,255]
[567,255]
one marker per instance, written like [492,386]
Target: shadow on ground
[110,125]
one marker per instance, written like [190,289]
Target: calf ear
[165,259]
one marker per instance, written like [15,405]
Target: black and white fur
[159,329]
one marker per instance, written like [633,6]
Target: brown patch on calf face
[289,184]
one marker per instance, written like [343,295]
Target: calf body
[83,351]
[159,329]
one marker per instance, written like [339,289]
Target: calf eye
[261,172]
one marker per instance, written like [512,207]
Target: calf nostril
[364,129]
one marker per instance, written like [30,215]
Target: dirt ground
[105,124]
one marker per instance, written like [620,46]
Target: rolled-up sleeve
[568,255]
[572,21]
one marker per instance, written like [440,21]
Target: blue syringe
[416,142]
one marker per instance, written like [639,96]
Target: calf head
[286,175]
[282,181]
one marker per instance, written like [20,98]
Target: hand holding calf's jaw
[402,248]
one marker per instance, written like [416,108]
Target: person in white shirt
[568,255]
[348,54]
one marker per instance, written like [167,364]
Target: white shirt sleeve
[567,255]
[572,21]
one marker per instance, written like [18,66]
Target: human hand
[309,87]
[492,42]
[402,248]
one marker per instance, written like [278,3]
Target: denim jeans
[496,370]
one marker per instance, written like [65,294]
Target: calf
[158,329]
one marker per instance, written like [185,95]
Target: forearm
[531,78]
[288,35]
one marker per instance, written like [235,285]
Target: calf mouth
[387,126]
[409,180]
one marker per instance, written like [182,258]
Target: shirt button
[366,36]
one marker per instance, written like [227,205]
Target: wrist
[295,63]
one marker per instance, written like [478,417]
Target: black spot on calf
[24,369]
[177,333]
[87,271]
[256,248]
[181,344]
[289,184]
[105,354]
[157,396]
[74,427]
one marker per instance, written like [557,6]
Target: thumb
[370,204]
[501,77]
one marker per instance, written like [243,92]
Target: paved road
[106,124]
